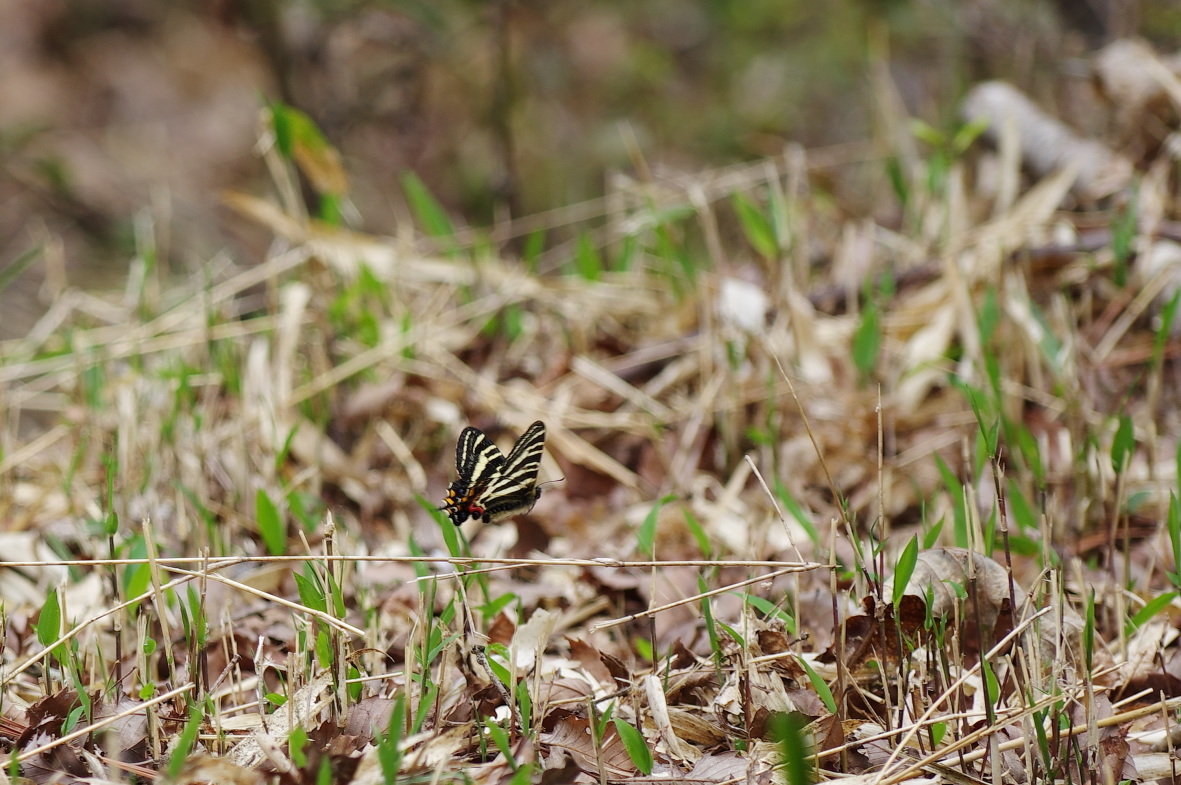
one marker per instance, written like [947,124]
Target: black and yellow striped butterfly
[489,486]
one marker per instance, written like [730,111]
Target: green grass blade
[1150,609]
[820,686]
[429,214]
[905,568]
[788,731]
[184,745]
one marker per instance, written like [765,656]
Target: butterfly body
[490,486]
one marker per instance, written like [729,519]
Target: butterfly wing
[514,490]
[478,462]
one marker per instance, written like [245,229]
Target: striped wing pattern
[477,463]
[489,486]
[514,491]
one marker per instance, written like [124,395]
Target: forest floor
[891,498]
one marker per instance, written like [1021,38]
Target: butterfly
[489,486]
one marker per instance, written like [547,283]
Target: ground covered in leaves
[891,499]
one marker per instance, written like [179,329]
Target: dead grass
[754,403]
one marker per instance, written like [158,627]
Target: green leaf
[525,706]
[695,528]
[956,491]
[758,230]
[11,271]
[1167,316]
[336,591]
[495,605]
[626,254]
[968,133]
[646,536]
[354,686]
[451,532]
[184,745]
[306,508]
[270,524]
[531,253]
[787,730]
[72,718]
[524,775]
[1049,344]
[932,535]
[311,592]
[938,730]
[497,667]
[1022,511]
[300,140]
[601,730]
[389,752]
[1123,444]
[1177,461]
[297,740]
[1173,522]
[429,214]
[789,501]
[281,122]
[770,610]
[992,687]
[820,686]
[905,568]
[500,739]
[898,180]
[425,704]
[1123,237]
[587,260]
[1024,546]
[867,340]
[733,633]
[200,628]
[111,519]
[49,620]
[324,650]
[1150,609]
[637,748]
[989,316]
[1043,740]
[711,628]
[925,132]
[1028,447]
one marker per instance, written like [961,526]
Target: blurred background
[121,121]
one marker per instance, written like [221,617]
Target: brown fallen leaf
[368,717]
[725,767]
[562,692]
[591,660]
[201,768]
[568,731]
[973,594]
